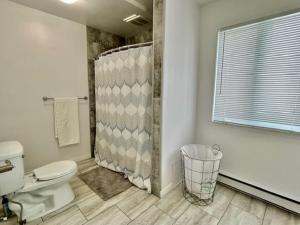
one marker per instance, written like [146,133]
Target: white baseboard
[164,191]
[268,196]
[258,192]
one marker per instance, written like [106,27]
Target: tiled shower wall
[158,30]
[98,42]
[141,37]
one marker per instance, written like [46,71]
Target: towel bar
[45,98]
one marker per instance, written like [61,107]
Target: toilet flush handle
[7,167]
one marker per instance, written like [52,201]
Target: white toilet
[43,191]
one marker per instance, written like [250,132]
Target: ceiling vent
[137,20]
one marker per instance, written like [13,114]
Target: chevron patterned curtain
[124,113]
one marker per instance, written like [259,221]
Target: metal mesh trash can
[200,168]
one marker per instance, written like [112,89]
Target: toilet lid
[55,170]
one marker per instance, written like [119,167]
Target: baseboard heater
[258,192]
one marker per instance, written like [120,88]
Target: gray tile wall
[141,37]
[98,42]
[158,28]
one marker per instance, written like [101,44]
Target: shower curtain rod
[124,48]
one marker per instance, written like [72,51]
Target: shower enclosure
[123,88]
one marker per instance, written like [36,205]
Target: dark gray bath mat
[105,183]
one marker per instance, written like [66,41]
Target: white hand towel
[66,121]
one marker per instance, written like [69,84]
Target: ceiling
[106,15]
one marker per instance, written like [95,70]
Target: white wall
[40,55]
[264,158]
[180,69]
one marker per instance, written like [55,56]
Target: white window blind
[258,74]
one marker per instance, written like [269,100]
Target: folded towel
[66,121]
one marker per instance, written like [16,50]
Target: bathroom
[52,49]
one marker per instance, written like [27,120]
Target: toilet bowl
[43,191]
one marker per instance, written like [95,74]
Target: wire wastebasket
[200,168]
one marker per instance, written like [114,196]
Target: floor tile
[89,205]
[86,162]
[153,216]
[276,216]
[222,198]
[93,205]
[71,216]
[134,205]
[35,222]
[174,204]
[111,216]
[196,216]
[76,182]
[86,165]
[229,208]
[81,191]
[61,210]
[237,216]
[249,204]
[12,221]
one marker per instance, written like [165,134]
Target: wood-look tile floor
[136,207]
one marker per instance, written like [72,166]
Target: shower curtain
[123,82]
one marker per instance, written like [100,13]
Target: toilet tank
[11,167]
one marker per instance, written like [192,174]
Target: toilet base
[43,201]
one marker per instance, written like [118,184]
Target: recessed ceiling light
[131,17]
[69,1]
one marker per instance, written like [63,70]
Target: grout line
[123,212]
[56,213]
[102,212]
[147,207]
[252,198]
[154,222]
[82,213]
[226,208]
[245,211]
[237,206]
[223,214]
[185,209]
[156,206]
[115,204]
[162,210]
[125,197]
[157,217]
[211,214]
[263,219]
[184,212]
[260,199]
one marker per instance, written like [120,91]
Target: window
[258,74]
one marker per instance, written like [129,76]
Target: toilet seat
[51,174]
[54,170]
